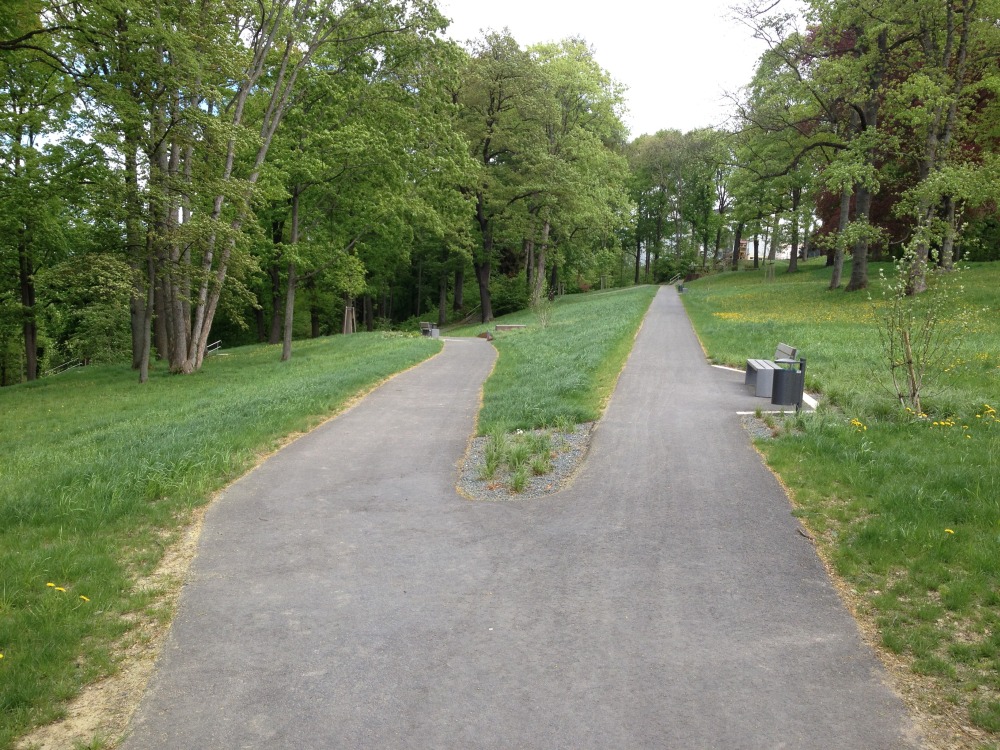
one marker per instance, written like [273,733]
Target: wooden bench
[509,326]
[428,329]
[760,372]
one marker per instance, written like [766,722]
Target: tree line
[869,130]
[183,171]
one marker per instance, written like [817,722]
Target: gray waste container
[789,385]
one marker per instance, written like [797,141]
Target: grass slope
[907,507]
[99,473]
[564,372]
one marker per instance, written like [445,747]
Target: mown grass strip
[562,372]
[98,473]
[907,507]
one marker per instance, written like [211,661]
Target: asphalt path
[345,596]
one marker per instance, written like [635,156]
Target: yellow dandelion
[84,598]
[948,531]
[60,588]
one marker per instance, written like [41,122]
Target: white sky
[677,57]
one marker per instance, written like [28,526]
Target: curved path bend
[344,596]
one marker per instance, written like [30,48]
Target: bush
[508,294]
[982,240]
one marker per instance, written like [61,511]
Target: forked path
[344,596]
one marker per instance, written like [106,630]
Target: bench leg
[764,383]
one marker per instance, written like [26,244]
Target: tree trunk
[134,244]
[483,278]
[859,269]
[26,277]
[838,253]
[951,229]
[539,271]
[137,315]
[293,239]
[314,312]
[863,195]
[161,337]
[286,338]
[772,250]
[793,258]
[939,135]
[528,248]
[483,266]
[443,299]
[420,283]
[458,303]
[369,313]
[638,257]
[736,245]
[147,319]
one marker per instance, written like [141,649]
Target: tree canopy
[249,171]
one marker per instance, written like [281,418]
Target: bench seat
[760,372]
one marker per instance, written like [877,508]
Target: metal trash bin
[789,384]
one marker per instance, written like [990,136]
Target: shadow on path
[344,596]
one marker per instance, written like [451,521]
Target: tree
[43,171]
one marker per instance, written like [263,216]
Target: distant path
[345,597]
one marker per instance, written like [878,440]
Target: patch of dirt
[103,709]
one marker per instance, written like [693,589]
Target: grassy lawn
[905,506]
[100,473]
[557,372]
[561,373]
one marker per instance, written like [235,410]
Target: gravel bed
[570,449]
[757,428]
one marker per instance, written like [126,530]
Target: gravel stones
[569,450]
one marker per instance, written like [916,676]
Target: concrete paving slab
[345,596]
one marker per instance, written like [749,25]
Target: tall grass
[99,472]
[906,506]
[561,372]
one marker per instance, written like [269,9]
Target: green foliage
[509,294]
[982,240]
[86,308]
[903,503]
[99,474]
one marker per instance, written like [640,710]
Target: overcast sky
[677,57]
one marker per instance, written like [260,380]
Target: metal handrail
[64,367]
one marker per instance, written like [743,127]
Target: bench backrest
[784,351]
[427,326]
